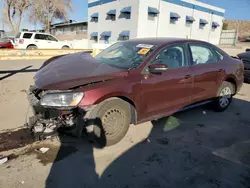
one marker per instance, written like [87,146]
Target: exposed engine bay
[47,122]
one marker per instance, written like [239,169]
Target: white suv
[33,40]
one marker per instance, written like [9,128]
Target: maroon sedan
[6,43]
[130,82]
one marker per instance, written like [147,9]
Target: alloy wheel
[225,97]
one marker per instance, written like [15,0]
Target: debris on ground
[15,139]
[43,150]
[204,112]
[3,160]
[171,123]
[148,140]
[22,182]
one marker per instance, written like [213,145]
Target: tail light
[21,41]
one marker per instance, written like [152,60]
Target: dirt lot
[195,148]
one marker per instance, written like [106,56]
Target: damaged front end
[56,111]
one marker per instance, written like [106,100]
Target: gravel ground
[195,148]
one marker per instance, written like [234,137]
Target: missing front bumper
[47,122]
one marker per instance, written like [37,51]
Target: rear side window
[202,55]
[27,35]
[40,37]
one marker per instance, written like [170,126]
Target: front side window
[202,54]
[49,37]
[221,57]
[40,37]
[172,56]
[125,55]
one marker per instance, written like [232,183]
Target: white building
[113,20]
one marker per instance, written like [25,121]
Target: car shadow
[13,72]
[183,150]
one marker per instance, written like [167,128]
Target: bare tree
[46,11]
[13,11]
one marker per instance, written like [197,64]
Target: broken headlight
[70,99]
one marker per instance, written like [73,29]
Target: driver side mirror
[157,68]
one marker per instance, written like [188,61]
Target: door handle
[187,76]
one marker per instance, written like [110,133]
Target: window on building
[27,35]
[124,38]
[152,13]
[95,20]
[112,17]
[126,13]
[95,39]
[215,25]
[189,21]
[174,17]
[202,54]
[106,39]
[94,17]
[152,17]
[173,20]
[203,23]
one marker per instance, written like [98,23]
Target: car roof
[162,40]
[35,32]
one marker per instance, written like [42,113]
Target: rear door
[207,70]
[165,93]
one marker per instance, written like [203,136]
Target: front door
[207,72]
[53,42]
[165,93]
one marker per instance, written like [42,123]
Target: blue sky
[235,9]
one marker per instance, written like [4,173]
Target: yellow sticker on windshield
[143,51]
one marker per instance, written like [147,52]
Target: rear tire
[111,120]
[224,96]
[32,47]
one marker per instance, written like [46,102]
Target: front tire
[224,96]
[111,119]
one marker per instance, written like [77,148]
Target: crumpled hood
[74,70]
